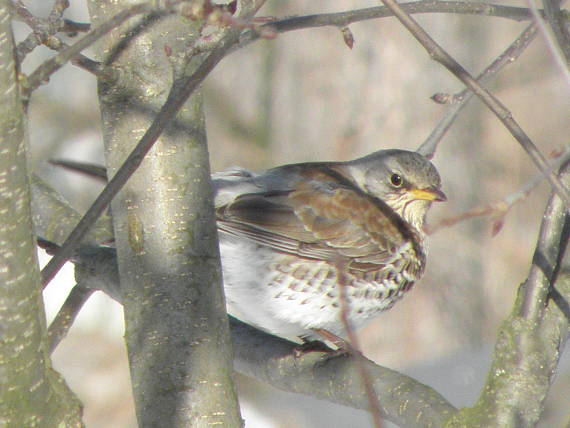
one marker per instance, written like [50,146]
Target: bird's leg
[311,346]
[343,347]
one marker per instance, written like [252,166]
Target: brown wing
[324,221]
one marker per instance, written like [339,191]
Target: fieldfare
[290,234]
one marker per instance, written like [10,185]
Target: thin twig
[546,256]
[179,93]
[509,56]
[505,116]
[42,28]
[33,39]
[55,16]
[499,208]
[43,31]
[355,345]
[94,67]
[27,45]
[64,319]
[343,19]
[559,26]
[458,101]
[91,170]
[553,47]
[44,71]
[23,13]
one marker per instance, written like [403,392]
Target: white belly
[274,301]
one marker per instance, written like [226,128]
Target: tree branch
[343,19]
[499,209]
[402,400]
[176,330]
[531,340]
[558,44]
[549,252]
[32,393]
[559,27]
[54,218]
[340,19]
[179,93]
[61,324]
[275,361]
[460,100]
[42,73]
[43,33]
[440,55]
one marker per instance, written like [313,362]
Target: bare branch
[558,24]
[560,51]
[43,33]
[94,171]
[499,209]
[42,73]
[343,19]
[458,101]
[42,28]
[61,324]
[54,218]
[509,56]
[56,14]
[34,39]
[32,393]
[440,55]
[81,61]
[178,95]
[551,243]
[531,340]
[275,361]
[359,359]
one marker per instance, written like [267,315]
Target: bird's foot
[312,346]
[343,347]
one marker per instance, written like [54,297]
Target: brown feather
[323,220]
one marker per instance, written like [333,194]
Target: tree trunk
[31,392]
[176,327]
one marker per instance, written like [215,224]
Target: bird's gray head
[407,181]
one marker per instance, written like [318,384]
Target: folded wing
[324,221]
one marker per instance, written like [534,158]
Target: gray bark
[176,329]
[31,392]
[54,219]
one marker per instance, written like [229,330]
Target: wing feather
[325,221]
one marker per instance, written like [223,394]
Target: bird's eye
[396,180]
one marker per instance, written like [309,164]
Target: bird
[292,236]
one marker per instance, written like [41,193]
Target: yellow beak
[430,194]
